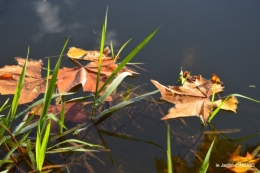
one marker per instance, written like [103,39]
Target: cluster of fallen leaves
[68,79]
[192,98]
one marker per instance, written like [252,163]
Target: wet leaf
[33,83]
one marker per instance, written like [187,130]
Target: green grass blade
[102,45]
[205,163]
[70,149]
[127,59]
[3,107]
[53,138]
[62,117]
[38,150]
[124,45]
[112,50]
[45,143]
[241,139]
[40,102]
[112,87]
[19,87]
[51,87]
[126,137]
[3,138]
[100,117]
[76,141]
[24,122]
[169,159]
[7,156]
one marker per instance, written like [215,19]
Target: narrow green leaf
[70,149]
[101,116]
[127,59]
[18,90]
[76,141]
[169,159]
[112,87]
[205,163]
[62,117]
[122,47]
[102,45]
[40,102]
[3,107]
[127,137]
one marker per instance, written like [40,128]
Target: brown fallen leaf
[69,78]
[77,53]
[86,76]
[107,68]
[33,83]
[190,99]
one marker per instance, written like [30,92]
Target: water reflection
[50,21]
[188,57]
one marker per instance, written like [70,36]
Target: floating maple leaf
[86,76]
[91,55]
[33,83]
[192,98]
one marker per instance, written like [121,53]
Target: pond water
[203,37]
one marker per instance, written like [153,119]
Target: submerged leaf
[73,111]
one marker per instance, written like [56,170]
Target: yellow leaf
[230,104]
[76,53]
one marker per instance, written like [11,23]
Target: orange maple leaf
[242,164]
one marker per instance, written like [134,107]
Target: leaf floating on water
[91,55]
[33,83]
[69,79]
[252,86]
[191,99]
[76,53]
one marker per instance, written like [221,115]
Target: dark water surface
[204,37]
